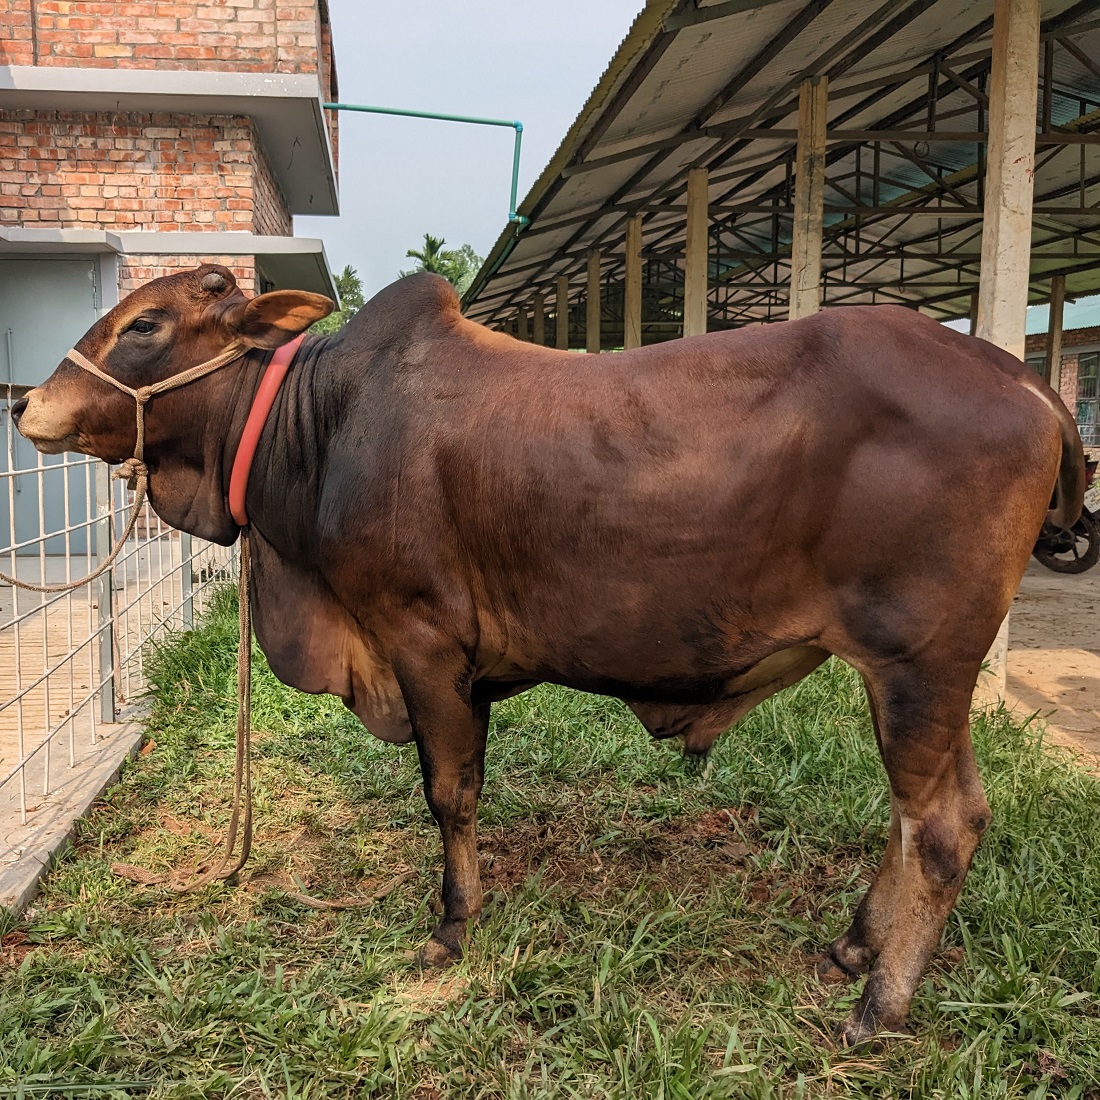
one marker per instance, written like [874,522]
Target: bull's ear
[278,316]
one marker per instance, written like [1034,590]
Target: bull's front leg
[450,737]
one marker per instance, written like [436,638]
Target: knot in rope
[131,471]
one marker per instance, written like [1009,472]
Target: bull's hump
[412,305]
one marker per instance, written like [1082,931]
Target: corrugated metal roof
[681,85]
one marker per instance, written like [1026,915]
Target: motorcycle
[1077,549]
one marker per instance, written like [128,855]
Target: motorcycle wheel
[1082,552]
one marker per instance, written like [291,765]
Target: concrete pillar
[809,197]
[632,290]
[523,331]
[1006,226]
[592,303]
[1052,370]
[538,318]
[561,310]
[696,259]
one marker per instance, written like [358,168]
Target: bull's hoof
[831,972]
[864,1032]
[832,968]
[436,955]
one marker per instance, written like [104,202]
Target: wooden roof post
[809,197]
[592,303]
[538,318]
[696,249]
[1006,225]
[561,313]
[523,332]
[632,290]
[1052,370]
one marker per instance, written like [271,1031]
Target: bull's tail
[1069,489]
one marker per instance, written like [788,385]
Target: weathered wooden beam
[538,318]
[1052,368]
[632,288]
[561,313]
[592,303]
[696,253]
[809,198]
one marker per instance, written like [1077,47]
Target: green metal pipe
[472,120]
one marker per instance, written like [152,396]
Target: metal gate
[70,663]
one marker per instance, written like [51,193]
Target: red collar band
[254,426]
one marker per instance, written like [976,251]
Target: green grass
[650,930]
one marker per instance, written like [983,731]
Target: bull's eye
[143,327]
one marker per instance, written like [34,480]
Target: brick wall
[136,172]
[269,212]
[1067,388]
[235,35]
[136,270]
[223,35]
[16,33]
[1071,338]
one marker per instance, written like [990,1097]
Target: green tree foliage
[457,265]
[350,288]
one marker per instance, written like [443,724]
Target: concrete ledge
[288,263]
[27,852]
[285,108]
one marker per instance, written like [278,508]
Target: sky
[513,59]
[401,178]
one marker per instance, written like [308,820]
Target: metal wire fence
[72,664]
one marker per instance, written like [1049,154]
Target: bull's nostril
[18,409]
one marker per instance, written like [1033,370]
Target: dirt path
[1054,654]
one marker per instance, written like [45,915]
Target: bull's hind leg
[940,813]
[854,952]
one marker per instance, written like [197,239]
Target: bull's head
[162,329]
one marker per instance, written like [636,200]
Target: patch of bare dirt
[683,853]
[14,948]
[1054,655]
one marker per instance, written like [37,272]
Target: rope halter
[133,471]
[134,468]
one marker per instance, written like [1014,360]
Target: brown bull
[444,517]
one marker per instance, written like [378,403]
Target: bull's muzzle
[50,432]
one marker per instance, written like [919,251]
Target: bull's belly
[668,701]
[699,724]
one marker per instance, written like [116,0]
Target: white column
[632,288]
[592,303]
[809,197]
[561,311]
[696,259]
[1006,228]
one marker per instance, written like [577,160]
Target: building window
[1037,363]
[1088,398]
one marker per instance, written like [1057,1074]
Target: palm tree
[350,288]
[432,257]
[457,265]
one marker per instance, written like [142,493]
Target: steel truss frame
[923,165]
